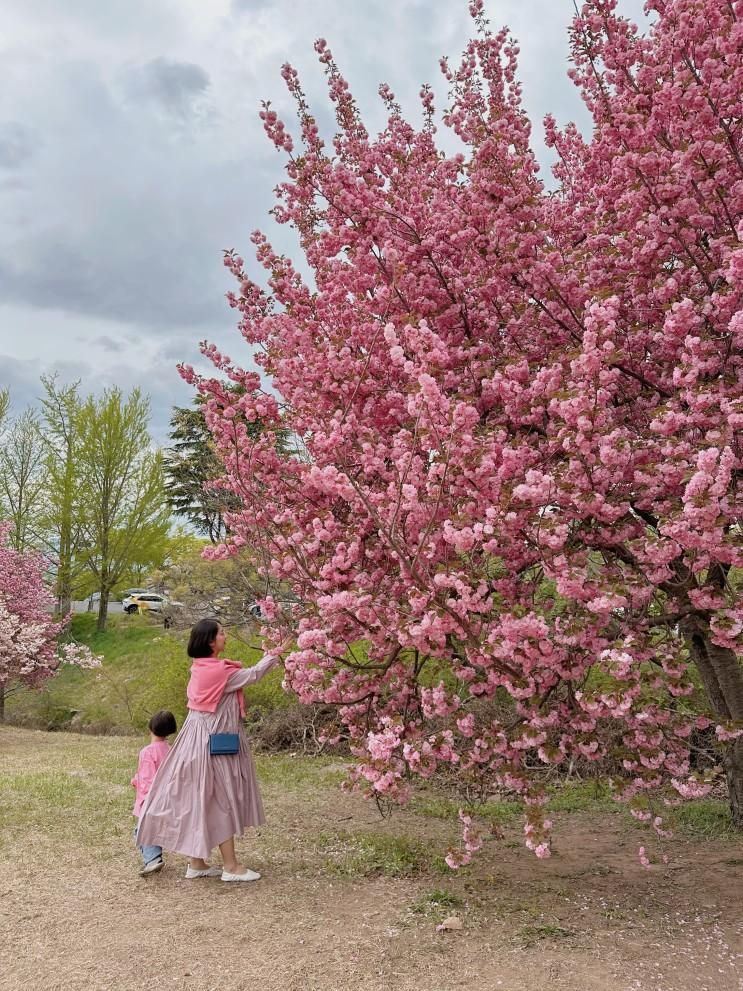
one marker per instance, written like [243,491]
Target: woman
[199,800]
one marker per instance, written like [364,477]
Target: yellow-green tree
[65,509]
[23,488]
[121,488]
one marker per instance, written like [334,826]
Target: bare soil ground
[347,900]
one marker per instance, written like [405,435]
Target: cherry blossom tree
[513,515]
[30,651]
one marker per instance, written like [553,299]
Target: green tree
[126,513]
[23,480]
[145,566]
[65,508]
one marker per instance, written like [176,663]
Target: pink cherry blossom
[29,648]
[516,415]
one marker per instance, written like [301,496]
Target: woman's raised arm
[248,676]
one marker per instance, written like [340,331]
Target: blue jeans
[149,853]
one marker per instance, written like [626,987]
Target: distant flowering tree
[520,413]
[29,648]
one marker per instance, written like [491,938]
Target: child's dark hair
[202,637]
[162,723]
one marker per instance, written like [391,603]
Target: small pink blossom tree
[30,651]
[518,416]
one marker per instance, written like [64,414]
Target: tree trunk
[2,703]
[64,573]
[65,603]
[102,611]
[734,775]
[722,676]
[66,541]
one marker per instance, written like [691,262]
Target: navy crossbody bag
[224,743]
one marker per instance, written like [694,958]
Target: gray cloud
[249,6]
[22,377]
[141,273]
[175,86]
[123,218]
[110,345]
[158,380]
[153,159]
[16,145]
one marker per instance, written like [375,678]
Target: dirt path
[75,915]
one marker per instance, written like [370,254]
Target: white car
[144,602]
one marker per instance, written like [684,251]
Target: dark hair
[202,637]
[162,723]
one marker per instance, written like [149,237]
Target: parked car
[144,602]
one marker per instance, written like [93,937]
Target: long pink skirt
[196,801]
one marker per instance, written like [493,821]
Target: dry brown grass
[347,901]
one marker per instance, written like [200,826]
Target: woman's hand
[283,647]
[276,652]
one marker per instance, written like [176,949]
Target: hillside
[144,668]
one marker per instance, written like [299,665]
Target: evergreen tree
[191,466]
[193,470]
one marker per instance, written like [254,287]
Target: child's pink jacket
[150,758]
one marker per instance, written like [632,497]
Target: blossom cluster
[30,651]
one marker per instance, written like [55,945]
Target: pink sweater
[209,677]
[150,758]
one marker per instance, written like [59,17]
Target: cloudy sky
[131,154]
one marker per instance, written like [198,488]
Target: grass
[438,807]
[87,788]
[704,819]
[79,786]
[62,786]
[344,909]
[294,772]
[437,903]
[144,668]
[372,854]
[56,802]
[701,819]
[578,796]
[118,696]
[81,790]
[582,796]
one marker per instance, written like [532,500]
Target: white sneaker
[208,872]
[152,868]
[247,876]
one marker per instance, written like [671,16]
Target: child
[151,757]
